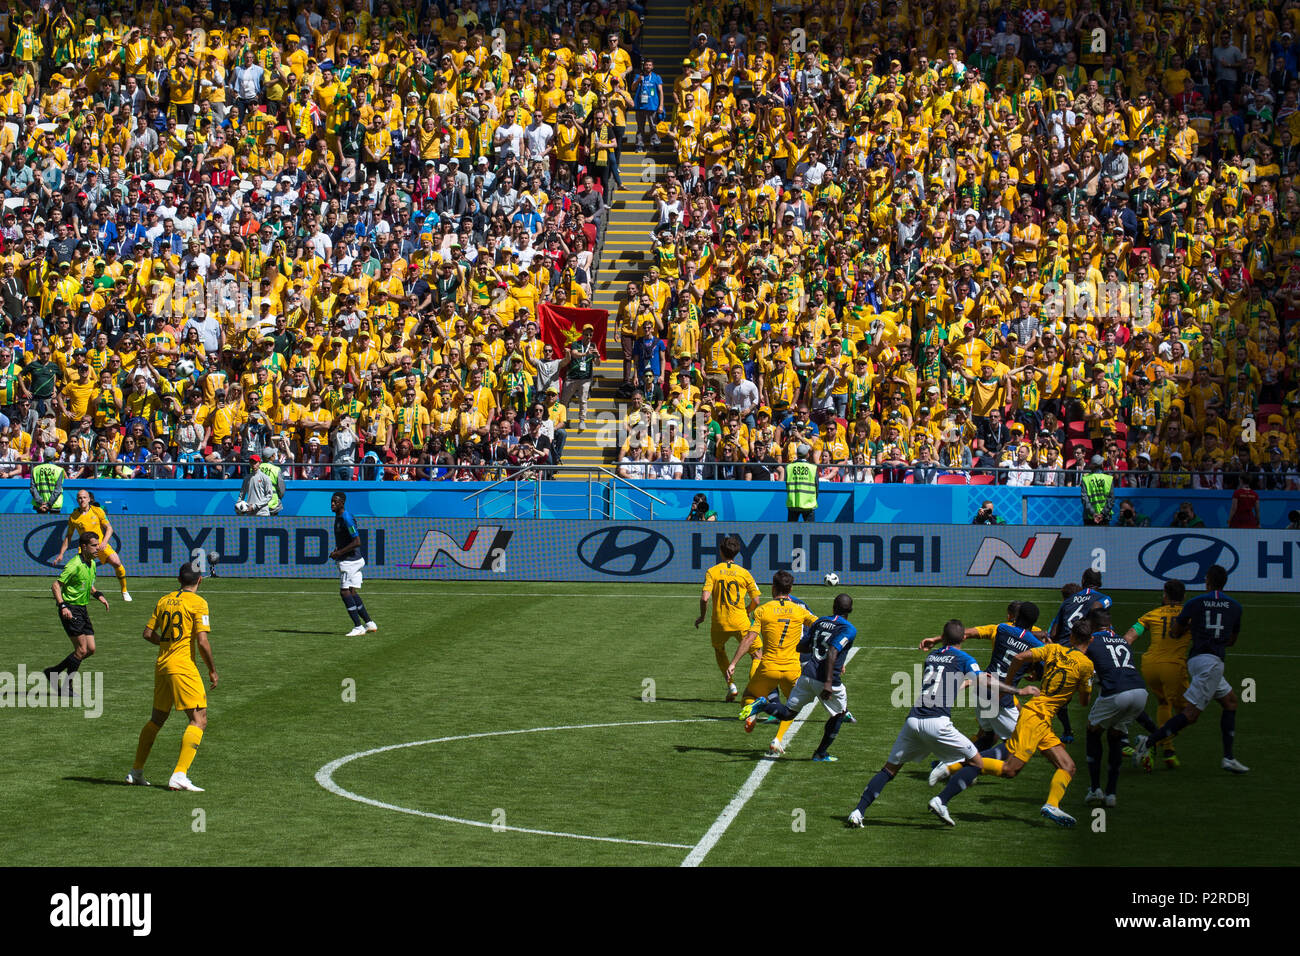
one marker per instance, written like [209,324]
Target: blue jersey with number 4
[1112,662]
[1213,620]
[818,639]
[942,676]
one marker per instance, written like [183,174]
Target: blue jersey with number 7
[1213,620]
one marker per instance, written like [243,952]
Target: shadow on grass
[102,781]
[678,700]
[743,752]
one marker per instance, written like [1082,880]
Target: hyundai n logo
[43,542]
[1186,557]
[627,551]
[484,545]
[1040,557]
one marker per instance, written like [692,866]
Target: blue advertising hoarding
[679,551]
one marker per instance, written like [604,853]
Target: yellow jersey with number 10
[780,623]
[728,584]
[1065,670]
[175,620]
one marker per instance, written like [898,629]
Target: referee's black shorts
[79,624]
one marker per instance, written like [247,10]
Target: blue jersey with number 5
[814,648]
[1112,662]
[1009,641]
[1213,619]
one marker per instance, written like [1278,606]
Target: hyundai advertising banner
[468,549]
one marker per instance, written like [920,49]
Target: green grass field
[461,663]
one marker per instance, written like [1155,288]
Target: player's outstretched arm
[929,642]
[206,650]
[1004,688]
[1132,634]
[745,645]
[704,607]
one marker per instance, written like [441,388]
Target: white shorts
[1114,712]
[806,689]
[350,572]
[1003,723]
[922,736]
[1205,681]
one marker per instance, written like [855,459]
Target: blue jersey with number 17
[818,639]
[942,677]
[1213,620]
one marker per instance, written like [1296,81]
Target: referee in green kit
[72,593]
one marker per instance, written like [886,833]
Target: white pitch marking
[325,777]
[747,790]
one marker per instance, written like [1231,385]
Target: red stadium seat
[952,479]
[1267,410]
[907,479]
[880,479]
[982,480]
[1076,430]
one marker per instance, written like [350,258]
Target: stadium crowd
[929,242]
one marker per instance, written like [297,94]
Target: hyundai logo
[626,551]
[1186,557]
[43,542]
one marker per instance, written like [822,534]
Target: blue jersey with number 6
[1112,662]
[1213,619]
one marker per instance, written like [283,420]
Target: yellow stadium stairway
[628,245]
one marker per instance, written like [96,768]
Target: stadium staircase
[627,245]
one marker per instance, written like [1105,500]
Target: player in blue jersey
[1119,696]
[823,651]
[1009,639]
[1078,601]
[347,552]
[1214,621]
[929,728]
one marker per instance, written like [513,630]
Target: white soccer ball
[831,579]
[185,367]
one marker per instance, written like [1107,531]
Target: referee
[72,592]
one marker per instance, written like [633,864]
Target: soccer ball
[185,367]
[831,579]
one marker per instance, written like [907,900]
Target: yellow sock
[147,734]
[954,767]
[1060,780]
[120,571]
[189,748]
[720,655]
[992,767]
[754,663]
[782,728]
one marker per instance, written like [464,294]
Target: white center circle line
[325,777]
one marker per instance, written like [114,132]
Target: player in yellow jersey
[735,595]
[1067,671]
[778,626]
[89,516]
[1164,664]
[179,626]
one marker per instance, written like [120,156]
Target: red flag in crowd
[561,325]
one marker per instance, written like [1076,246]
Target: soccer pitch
[575,724]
